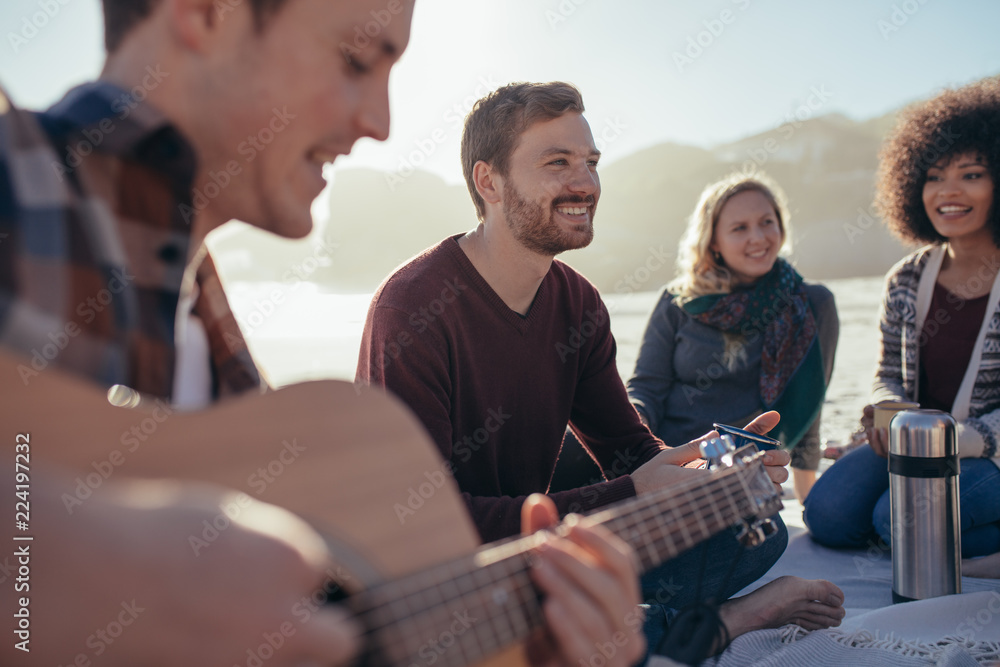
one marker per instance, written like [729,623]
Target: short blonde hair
[698,273]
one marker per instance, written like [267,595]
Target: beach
[298,331]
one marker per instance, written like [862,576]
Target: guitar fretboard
[464,611]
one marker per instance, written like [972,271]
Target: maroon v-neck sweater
[496,390]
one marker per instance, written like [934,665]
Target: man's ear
[489,184]
[196,23]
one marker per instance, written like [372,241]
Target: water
[298,331]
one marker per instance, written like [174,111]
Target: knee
[826,523]
[882,520]
[778,541]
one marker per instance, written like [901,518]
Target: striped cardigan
[905,302]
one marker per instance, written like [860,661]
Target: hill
[826,165]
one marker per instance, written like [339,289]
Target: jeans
[674,584]
[849,505]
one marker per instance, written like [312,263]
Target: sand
[310,334]
[299,332]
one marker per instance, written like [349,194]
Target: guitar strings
[645,517]
[508,633]
[637,519]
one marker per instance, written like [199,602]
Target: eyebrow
[764,216]
[565,151]
[977,163]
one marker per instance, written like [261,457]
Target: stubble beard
[534,227]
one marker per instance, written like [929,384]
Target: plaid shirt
[94,242]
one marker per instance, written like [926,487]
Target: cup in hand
[884,410]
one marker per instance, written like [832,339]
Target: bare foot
[987,567]
[810,603]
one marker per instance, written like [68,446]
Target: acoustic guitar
[358,466]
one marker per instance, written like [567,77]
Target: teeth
[757,255]
[572,211]
[322,157]
[954,209]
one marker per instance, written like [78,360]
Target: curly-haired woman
[940,317]
[738,331]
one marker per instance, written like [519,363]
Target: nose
[950,185]
[373,111]
[585,181]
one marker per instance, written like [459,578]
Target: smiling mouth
[951,209]
[758,255]
[322,157]
[573,210]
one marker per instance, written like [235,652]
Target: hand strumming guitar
[592,593]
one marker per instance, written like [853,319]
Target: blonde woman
[738,332]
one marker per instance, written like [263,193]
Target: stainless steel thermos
[923,488]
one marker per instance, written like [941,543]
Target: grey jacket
[683,380]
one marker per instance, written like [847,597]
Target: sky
[698,72]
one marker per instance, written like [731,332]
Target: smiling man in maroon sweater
[497,346]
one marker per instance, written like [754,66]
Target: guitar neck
[462,612]
[664,525]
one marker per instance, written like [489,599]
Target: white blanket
[955,630]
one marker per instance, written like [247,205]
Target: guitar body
[352,461]
[358,466]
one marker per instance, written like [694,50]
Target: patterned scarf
[778,307]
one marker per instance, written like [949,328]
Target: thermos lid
[923,433]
